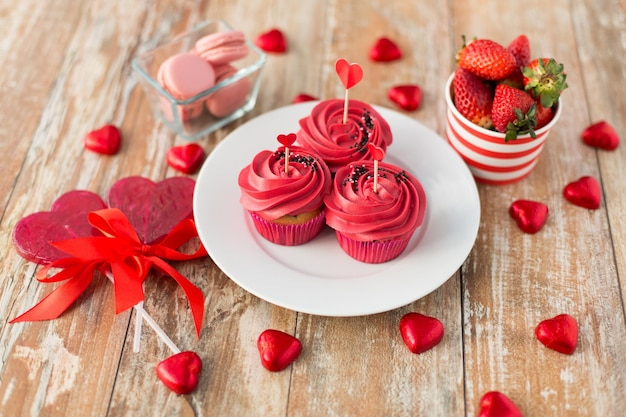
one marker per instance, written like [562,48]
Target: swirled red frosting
[395,211]
[338,143]
[272,193]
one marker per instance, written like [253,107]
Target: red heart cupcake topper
[287,140]
[349,74]
[376,151]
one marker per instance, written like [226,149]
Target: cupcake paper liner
[289,234]
[372,252]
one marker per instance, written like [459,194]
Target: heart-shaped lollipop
[530,216]
[186,158]
[420,332]
[278,349]
[559,333]
[67,219]
[286,140]
[496,404]
[384,49]
[105,140]
[349,74]
[271,41]
[180,372]
[408,97]
[584,192]
[153,209]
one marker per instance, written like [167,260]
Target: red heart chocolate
[287,140]
[349,74]
[530,216]
[153,209]
[271,41]
[559,333]
[384,49]
[180,372]
[186,158]
[601,135]
[302,97]
[66,219]
[496,404]
[278,349]
[584,192]
[420,332]
[408,97]
[105,140]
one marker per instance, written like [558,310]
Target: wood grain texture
[67,69]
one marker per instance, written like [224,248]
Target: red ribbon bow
[129,261]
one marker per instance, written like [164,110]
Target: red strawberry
[513,112]
[473,98]
[544,115]
[545,79]
[487,59]
[601,135]
[520,48]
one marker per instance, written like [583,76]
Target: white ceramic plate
[318,277]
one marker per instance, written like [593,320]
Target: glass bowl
[190,118]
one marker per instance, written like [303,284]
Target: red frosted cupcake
[286,206]
[374,226]
[337,143]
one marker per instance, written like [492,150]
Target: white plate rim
[337,285]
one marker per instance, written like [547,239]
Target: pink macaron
[222,47]
[184,76]
[230,97]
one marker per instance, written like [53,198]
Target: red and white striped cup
[490,159]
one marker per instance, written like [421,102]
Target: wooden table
[66,70]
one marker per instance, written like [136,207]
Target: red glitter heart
[408,97]
[278,349]
[601,135]
[420,332]
[105,140]
[584,192]
[302,97]
[377,152]
[271,41]
[384,49]
[66,219]
[349,74]
[530,216]
[559,333]
[153,209]
[287,140]
[180,372]
[186,158]
[496,404]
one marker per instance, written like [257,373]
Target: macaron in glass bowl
[199,81]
